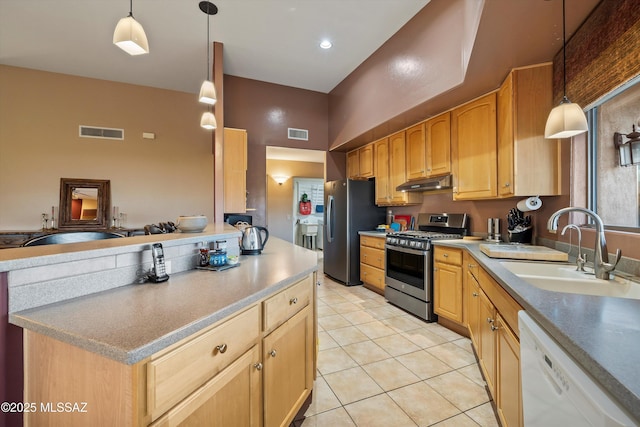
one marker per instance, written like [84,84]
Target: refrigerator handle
[329,225]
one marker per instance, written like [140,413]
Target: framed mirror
[84,203]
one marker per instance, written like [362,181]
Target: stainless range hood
[426,184]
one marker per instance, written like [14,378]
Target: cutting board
[528,252]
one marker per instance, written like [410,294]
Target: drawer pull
[258,366]
[472,266]
[475,294]
[445,255]
[272,353]
[221,348]
[293,300]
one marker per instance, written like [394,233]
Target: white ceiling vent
[301,134]
[102,133]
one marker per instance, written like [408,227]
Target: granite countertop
[601,333]
[133,322]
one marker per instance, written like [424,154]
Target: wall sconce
[280,179]
[628,150]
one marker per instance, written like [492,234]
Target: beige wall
[151,180]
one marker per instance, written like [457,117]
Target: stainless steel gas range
[409,259]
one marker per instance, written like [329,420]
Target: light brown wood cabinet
[448,283]
[254,368]
[438,138]
[389,155]
[508,381]
[234,163]
[492,318]
[416,160]
[429,148]
[372,262]
[360,163]
[473,149]
[528,164]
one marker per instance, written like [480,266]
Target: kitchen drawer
[372,256]
[371,275]
[373,242]
[280,307]
[174,375]
[447,255]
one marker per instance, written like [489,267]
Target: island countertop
[601,333]
[132,322]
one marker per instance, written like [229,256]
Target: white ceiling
[275,41]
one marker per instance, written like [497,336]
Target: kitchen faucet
[601,265]
[580,259]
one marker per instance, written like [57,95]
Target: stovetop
[430,227]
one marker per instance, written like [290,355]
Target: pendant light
[567,119]
[129,35]
[208,90]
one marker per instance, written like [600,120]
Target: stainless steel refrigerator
[349,208]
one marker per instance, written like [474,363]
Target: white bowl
[191,224]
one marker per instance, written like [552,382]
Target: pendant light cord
[208,60]
[564,54]
[131,8]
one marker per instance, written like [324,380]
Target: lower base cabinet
[255,368]
[288,371]
[491,318]
[372,261]
[230,398]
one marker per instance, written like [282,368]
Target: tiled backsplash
[47,284]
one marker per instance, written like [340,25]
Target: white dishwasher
[555,390]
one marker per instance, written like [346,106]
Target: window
[614,189]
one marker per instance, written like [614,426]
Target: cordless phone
[159,270]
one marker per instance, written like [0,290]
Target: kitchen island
[602,334]
[156,353]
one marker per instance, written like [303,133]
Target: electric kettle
[252,242]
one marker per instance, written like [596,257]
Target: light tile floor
[379,366]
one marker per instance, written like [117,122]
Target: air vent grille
[301,134]
[102,133]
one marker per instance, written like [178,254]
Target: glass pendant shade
[565,120]
[130,37]
[208,120]
[207,93]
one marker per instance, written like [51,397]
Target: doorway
[284,167]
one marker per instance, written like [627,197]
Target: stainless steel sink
[563,277]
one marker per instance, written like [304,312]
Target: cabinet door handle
[293,300]
[474,294]
[494,328]
[258,366]
[221,348]
[272,353]
[507,184]
[489,320]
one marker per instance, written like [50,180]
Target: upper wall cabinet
[235,170]
[360,163]
[429,148]
[389,163]
[438,138]
[528,164]
[473,148]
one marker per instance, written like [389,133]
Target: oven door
[409,271]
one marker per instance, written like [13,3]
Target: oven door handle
[406,250]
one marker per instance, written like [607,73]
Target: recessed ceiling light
[326,44]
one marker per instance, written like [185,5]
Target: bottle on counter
[203,261]
[389,217]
